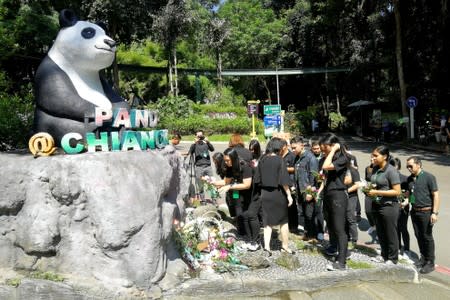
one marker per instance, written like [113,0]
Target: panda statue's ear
[103,26]
[67,18]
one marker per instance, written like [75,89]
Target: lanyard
[412,196]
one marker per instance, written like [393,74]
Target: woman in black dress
[272,179]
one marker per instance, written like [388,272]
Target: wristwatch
[435,213]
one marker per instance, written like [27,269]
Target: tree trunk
[266,88]
[219,69]
[338,104]
[175,68]
[171,91]
[398,54]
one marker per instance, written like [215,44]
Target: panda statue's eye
[88,33]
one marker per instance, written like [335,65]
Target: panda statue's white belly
[86,83]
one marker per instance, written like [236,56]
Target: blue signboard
[412,102]
[272,121]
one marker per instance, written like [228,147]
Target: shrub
[16,116]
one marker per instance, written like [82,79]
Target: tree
[170,24]
[127,20]
[254,42]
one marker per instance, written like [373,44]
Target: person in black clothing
[385,207]
[352,226]
[237,143]
[402,222]
[199,151]
[289,160]
[237,184]
[424,198]
[335,198]
[305,166]
[368,204]
[272,179]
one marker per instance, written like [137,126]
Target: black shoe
[288,251]
[331,251]
[269,253]
[336,267]
[427,268]
[420,263]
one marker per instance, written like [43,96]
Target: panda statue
[68,84]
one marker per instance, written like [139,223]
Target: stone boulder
[100,218]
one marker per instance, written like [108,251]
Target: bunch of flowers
[319,177]
[311,190]
[209,187]
[202,243]
[403,196]
[366,187]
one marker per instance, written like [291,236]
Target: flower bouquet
[311,190]
[319,177]
[366,187]
[209,187]
[201,243]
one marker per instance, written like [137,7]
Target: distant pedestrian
[424,198]
[199,153]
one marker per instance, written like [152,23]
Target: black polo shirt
[385,179]
[335,178]
[422,186]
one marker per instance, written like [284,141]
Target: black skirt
[275,207]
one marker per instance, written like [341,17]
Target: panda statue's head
[82,45]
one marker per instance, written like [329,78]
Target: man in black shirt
[424,197]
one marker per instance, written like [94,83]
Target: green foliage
[172,107]
[358,264]
[47,276]
[16,118]
[336,120]
[288,261]
[189,125]
[14,282]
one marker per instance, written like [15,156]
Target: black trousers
[335,205]
[386,216]
[351,226]
[293,215]
[402,225]
[423,229]
[300,212]
[368,208]
[251,220]
[309,212]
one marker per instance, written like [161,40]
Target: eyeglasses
[409,166]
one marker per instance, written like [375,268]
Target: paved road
[435,163]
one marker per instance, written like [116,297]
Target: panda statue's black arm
[56,95]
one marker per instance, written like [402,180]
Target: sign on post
[272,109]
[411,102]
[272,121]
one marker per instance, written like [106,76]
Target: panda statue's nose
[110,43]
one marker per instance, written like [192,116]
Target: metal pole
[278,87]
[411,121]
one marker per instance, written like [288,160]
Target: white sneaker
[378,251]
[389,262]
[377,259]
[371,229]
[252,246]
[301,228]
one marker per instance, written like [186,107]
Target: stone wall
[100,218]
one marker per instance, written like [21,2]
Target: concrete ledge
[244,284]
